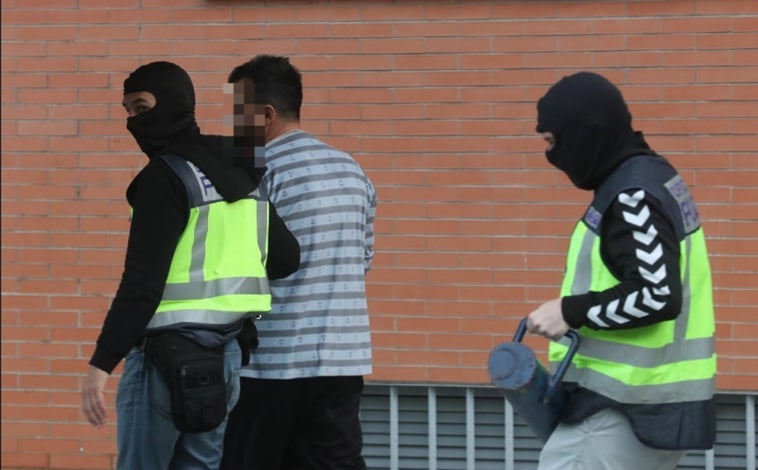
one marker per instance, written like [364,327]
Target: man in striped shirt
[300,394]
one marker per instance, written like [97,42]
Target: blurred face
[549,138]
[260,120]
[248,115]
[248,122]
[138,102]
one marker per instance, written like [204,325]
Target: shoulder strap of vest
[200,190]
[656,176]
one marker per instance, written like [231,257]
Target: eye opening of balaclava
[592,127]
[173,116]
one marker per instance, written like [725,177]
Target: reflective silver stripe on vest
[198,246]
[204,317]
[658,393]
[262,226]
[700,348]
[680,330]
[583,273]
[207,289]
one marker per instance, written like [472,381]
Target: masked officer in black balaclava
[170,127]
[637,288]
[188,174]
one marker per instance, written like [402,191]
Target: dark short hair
[276,81]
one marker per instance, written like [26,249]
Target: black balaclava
[592,127]
[170,127]
[173,117]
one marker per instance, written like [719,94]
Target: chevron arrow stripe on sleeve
[632,200]
[650,257]
[631,309]
[648,300]
[594,315]
[610,313]
[637,219]
[646,238]
[653,277]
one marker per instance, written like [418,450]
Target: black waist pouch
[195,376]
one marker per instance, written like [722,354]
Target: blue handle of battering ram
[555,380]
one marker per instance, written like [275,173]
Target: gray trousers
[604,441]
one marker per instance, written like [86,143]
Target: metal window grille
[444,427]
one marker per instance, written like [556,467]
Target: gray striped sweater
[319,323]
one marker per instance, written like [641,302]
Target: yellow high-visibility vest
[667,362]
[218,271]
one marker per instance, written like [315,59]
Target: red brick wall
[436,99]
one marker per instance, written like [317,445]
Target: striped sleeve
[369,235]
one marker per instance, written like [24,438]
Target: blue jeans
[147,437]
